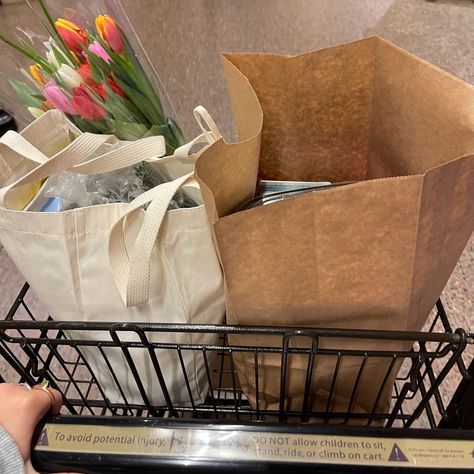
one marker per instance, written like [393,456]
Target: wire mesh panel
[122,369]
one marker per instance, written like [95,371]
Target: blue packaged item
[53,204]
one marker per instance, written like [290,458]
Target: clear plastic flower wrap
[87,61]
[124,185]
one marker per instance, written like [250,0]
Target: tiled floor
[184,39]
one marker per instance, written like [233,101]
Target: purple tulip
[56,97]
[98,50]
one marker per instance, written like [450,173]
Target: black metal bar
[257,391]
[115,379]
[249,330]
[432,378]
[17,303]
[15,364]
[448,328]
[212,347]
[333,384]
[309,377]
[221,369]
[457,352]
[234,384]
[429,411]
[186,378]
[209,380]
[415,369]
[356,386]
[460,411]
[283,371]
[133,368]
[379,394]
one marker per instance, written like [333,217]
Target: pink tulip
[56,97]
[98,50]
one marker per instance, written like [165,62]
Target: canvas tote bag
[375,254]
[77,263]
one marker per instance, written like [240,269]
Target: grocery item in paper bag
[274,191]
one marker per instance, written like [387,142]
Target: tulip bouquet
[91,73]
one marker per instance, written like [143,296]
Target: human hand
[20,411]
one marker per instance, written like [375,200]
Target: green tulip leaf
[99,68]
[128,130]
[141,102]
[27,95]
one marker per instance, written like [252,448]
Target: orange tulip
[110,33]
[37,75]
[73,35]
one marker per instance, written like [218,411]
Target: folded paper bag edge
[227,172]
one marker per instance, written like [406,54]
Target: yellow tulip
[37,75]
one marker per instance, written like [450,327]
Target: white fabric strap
[146,149]
[14,149]
[132,274]
[210,132]
[72,159]
[76,152]
[209,136]
[184,151]
[207,124]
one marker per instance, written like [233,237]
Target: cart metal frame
[43,349]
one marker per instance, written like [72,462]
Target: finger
[41,403]
[29,469]
[57,403]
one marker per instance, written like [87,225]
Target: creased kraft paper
[371,255]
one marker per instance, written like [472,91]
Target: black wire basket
[38,349]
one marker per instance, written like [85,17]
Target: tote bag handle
[131,271]
[72,157]
[104,163]
[16,148]
[210,132]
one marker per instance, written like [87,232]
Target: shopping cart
[429,427]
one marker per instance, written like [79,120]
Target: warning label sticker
[257,446]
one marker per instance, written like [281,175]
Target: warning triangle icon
[397,454]
[43,439]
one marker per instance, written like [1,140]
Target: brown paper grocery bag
[372,255]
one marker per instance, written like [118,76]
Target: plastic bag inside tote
[73,190]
